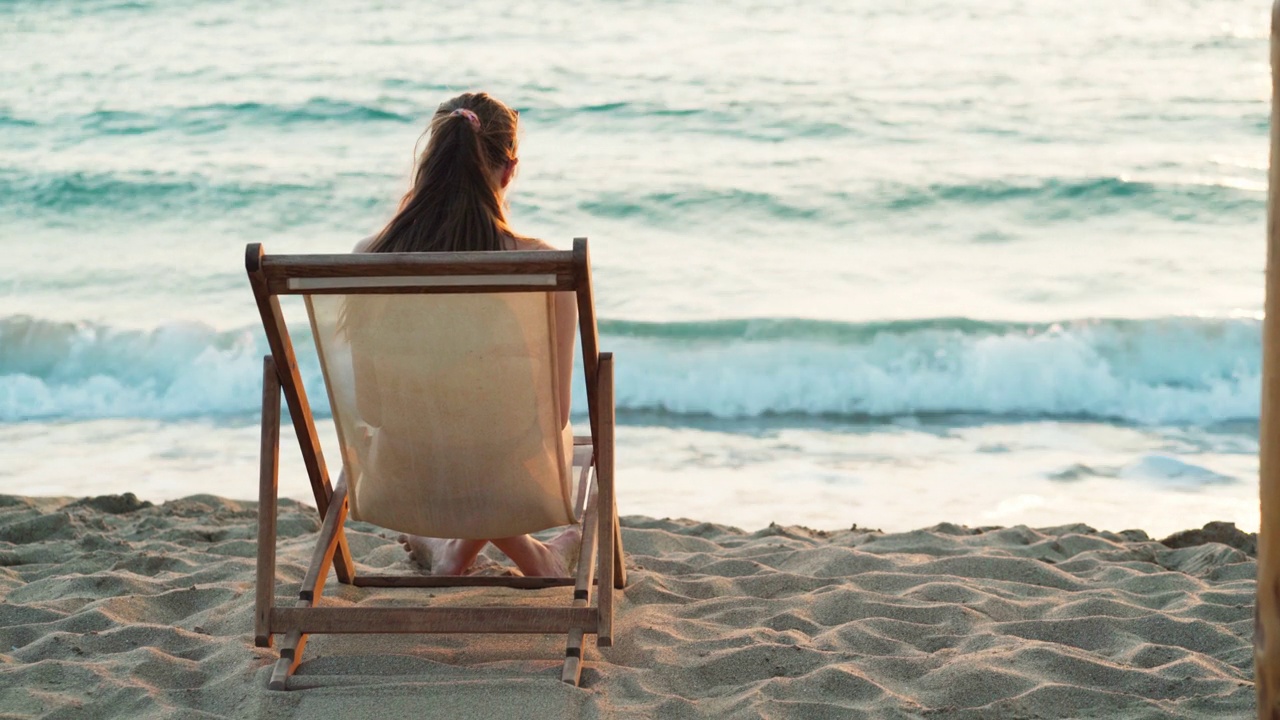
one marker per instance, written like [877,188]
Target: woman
[457,203]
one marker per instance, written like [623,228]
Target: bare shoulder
[528,243]
[365,244]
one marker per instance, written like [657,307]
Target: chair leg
[290,656]
[572,672]
[619,562]
[344,567]
[608,508]
[327,545]
[312,585]
[267,491]
[604,601]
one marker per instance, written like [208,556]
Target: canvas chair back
[447,408]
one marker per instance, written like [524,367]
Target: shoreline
[115,607]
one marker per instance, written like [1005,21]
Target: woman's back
[457,203]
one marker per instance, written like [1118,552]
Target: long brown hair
[455,203]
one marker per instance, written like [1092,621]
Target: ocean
[984,262]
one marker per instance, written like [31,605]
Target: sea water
[981,261]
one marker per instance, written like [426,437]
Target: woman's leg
[535,558]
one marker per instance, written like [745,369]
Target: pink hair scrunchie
[470,116]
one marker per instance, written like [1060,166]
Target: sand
[114,608]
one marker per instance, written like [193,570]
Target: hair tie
[470,116]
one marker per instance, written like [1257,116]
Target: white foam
[1193,372]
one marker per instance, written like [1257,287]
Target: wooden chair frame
[601,553]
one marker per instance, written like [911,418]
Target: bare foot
[439,556]
[538,559]
[563,550]
[420,549]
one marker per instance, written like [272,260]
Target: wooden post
[1266,639]
[268,475]
[590,334]
[572,672]
[607,509]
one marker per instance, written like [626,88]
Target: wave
[672,207]
[13,121]
[1164,371]
[1072,197]
[164,195]
[218,116]
[776,126]
[154,193]
[1037,200]
[214,117]
[762,124]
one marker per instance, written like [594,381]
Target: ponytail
[456,203]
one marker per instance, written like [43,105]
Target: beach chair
[440,372]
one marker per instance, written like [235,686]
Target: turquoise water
[983,262]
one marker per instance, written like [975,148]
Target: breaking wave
[1161,371]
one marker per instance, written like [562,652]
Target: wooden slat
[502,262]
[546,621]
[295,394]
[589,332]
[390,284]
[279,269]
[465,282]
[608,512]
[326,545]
[268,476]
[283,287]
[437,581]
[1266,636]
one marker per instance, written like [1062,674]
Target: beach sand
[114,608]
